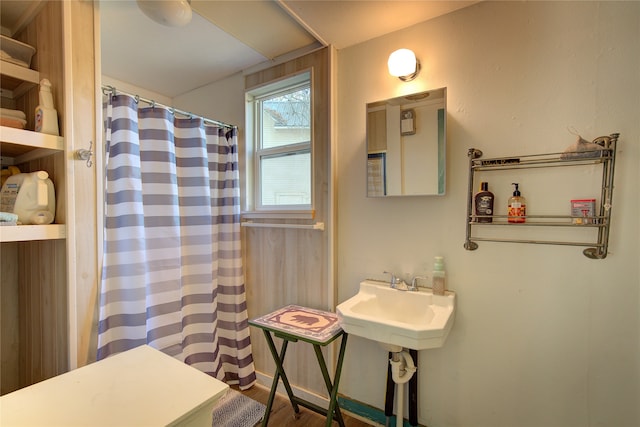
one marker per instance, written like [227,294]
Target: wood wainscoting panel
[291,266]
[284,266]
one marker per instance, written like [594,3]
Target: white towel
[14,114]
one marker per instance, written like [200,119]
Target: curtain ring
[153,104]
[109,91]
[137,99]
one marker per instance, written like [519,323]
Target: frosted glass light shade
[172,13]
[403,64]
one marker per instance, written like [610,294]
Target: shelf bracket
[594,253]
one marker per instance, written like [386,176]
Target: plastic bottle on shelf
[484,204]
[30,196]
[439,285]
[517,207]
[46,114]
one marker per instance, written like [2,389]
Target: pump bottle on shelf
[517,207]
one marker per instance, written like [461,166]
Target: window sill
[284,214]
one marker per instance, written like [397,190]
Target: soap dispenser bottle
[46,115]
[517,207]
[439,284]
[484,204]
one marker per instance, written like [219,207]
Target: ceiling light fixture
[172,13]
[404,65]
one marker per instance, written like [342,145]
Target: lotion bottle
[46,114]
[439,284]
[484,204]
[517,207]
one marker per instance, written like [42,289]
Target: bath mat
[237,410]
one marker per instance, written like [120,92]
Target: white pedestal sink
[417,320]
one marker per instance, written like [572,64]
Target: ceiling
[227,37]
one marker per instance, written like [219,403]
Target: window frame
[254,152]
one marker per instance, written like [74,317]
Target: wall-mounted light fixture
[172,13]
[404,65]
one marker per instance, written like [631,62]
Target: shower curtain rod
[111,90]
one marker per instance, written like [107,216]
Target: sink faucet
[414,282]
[397,283]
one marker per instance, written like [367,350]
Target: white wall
[543,336]
[224,101]
[136,90]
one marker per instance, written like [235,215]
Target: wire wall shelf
[600,220]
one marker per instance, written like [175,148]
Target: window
[280,116]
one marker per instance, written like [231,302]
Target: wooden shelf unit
[17,80]
[22,146]
[23,233]
[34,280]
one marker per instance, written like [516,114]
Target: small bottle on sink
[439,283]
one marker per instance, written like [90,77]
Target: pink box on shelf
[583,211]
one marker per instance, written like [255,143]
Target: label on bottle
[517,212]
[438,285]
[39,119]
[484,207]
[10,192]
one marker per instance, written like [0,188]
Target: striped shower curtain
[172,271]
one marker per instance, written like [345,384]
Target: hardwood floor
[282,414]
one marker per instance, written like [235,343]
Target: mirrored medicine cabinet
[406,145]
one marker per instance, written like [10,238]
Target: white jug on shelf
[30,196]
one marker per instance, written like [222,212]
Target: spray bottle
[46,114]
